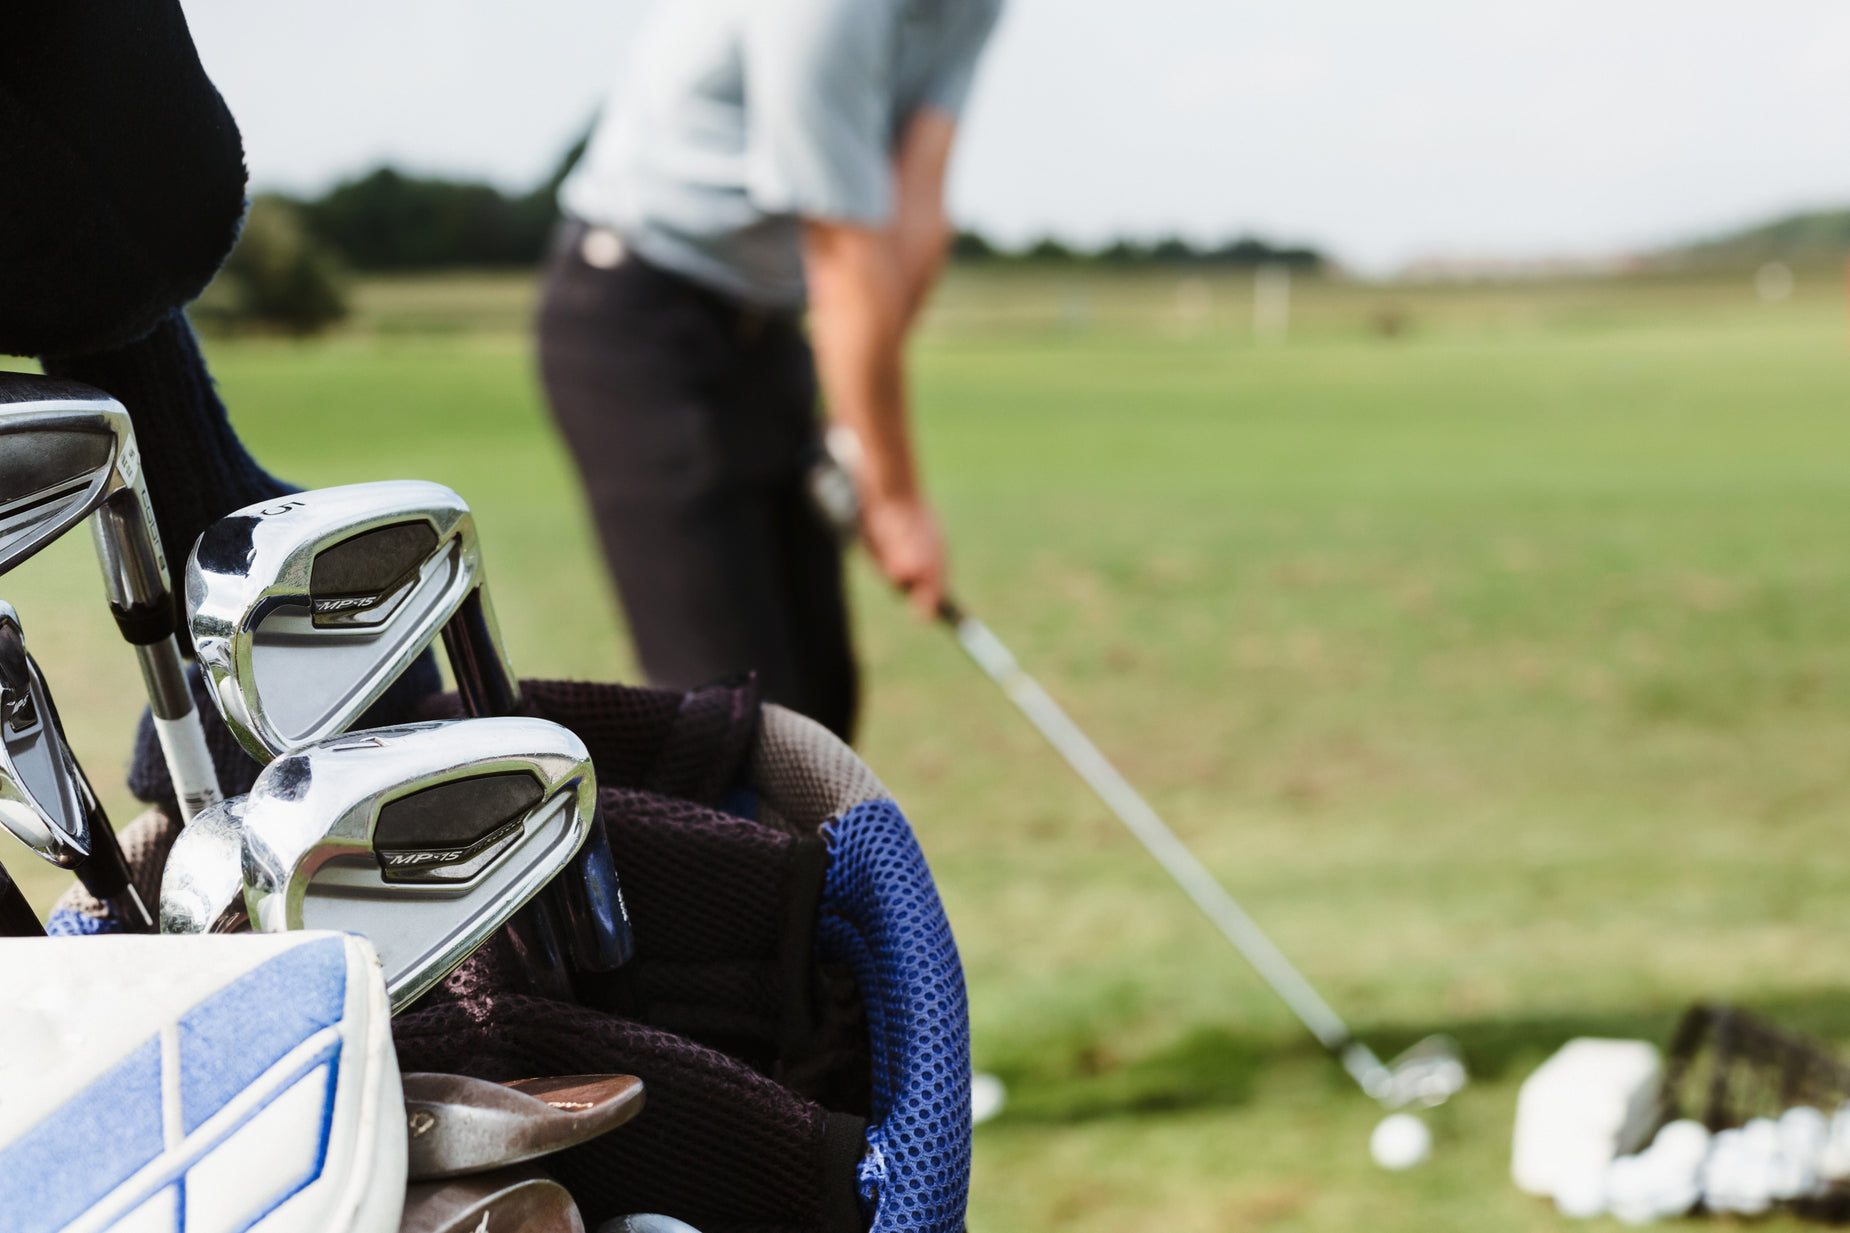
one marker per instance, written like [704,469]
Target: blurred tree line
[1814,238]
[1247,252]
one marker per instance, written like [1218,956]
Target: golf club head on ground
[517,1200]
[1429,1073]
[305,609]
[425,838]
[68,450]
[45,800]
[457,1125]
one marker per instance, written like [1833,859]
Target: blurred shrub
[386,220]
[390,221]
[279,277]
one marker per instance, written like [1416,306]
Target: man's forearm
[921,233]
[861,298]
[858,320]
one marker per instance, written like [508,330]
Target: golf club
[517,1200]
[304,610]
[45,799]
[1429,1073]
[202,883]
[66,451]
[17,919]
[203,891]
[424,838]
[459,1125]
[646,1222]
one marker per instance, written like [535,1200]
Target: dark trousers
[693,422]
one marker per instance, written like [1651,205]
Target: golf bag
[795,1006]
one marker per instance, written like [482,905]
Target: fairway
[1491,644]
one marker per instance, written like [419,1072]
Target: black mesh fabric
[691,745]
[709,741]
[717,1145]
[754,1056]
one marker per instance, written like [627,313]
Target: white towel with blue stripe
[226,1083]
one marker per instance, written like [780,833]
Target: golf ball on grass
[987,1096]
[1400,1141]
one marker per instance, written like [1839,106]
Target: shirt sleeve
[949,86]
[818,105]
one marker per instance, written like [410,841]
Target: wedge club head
[305,609]
[517,1200]
[457,1125]
[68,451]
[424,838]
[45,800]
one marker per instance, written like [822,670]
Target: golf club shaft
[591,904]
[106,874]
[17,919]
[1190,874]
[177,726]
[128,547]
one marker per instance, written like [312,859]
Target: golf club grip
[17,919]
[176,725]
[1059,730]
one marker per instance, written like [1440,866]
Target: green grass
[1501,668]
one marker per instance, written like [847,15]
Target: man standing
[765,155]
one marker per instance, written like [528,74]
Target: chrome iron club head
[305,609]
[424,838]
[45,801]
[457,1125]
[202,883]
[517,1200]
[66,451]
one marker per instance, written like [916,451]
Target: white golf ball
[987,1096]
[1400,1141]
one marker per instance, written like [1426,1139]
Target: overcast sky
[1381,131]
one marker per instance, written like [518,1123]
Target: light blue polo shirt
[739,118]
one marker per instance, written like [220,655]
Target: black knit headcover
[121,172]
[121,189]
